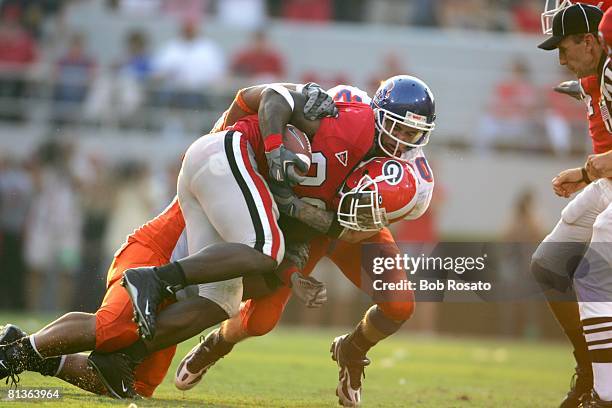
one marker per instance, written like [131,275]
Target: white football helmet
[551,8]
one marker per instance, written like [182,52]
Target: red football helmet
[552,7]
[380,191]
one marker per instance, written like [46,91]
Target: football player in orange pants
[111,328]
[259,316]
[50,350]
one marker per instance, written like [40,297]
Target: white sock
[33,343]
[61,365]
[602,380]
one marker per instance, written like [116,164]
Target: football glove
[309,290]
[297,253]
[571,88]
[283,163]
[318,103]
[286,200]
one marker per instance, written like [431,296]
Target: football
[297,141]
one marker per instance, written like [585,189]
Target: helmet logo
[342,157]
[385,92]
[393,172]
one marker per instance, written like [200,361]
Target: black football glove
[318,103]
[297,253]
[286,200]
[283,163]
[571,88]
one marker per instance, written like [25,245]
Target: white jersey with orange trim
[415,157]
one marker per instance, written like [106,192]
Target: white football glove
[309,290]
[571,88]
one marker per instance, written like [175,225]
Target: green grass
[291,368]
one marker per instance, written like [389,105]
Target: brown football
[296,141]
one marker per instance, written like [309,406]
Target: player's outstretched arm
[570,181]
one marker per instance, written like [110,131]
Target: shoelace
[14,379]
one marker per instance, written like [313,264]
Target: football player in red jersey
[586,222]
[402,113]
[401,118]
[111,328]
[259,316]
[421,167]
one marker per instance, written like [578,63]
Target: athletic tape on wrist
[272,141]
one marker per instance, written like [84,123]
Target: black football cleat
[8,367]
[10,333]
[580,388]
[147,292]
[116,371]
[592,400]
[351,372]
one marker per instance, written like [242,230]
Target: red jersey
[601,138]
[338,146]
[602,4]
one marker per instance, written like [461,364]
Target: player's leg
[219,186]
[76,370]
[553,265]
[257,317]
[593,283]
[71,333]
[382,320]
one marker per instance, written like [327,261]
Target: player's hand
[286,200]
[318,103]
[283,164]
[309,290]
[599,165]
[568,182]
[297,253]
[571,88]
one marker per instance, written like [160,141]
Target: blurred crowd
[63,216]
[49,71]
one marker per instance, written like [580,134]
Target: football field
[291,367]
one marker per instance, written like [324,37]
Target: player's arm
[279,107]
[318,103]
[570,181]
[309,220]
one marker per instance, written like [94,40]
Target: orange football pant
[114,326]
[260,316]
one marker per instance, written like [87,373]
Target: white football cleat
[195,364]
[350,374]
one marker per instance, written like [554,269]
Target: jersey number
[319,168]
